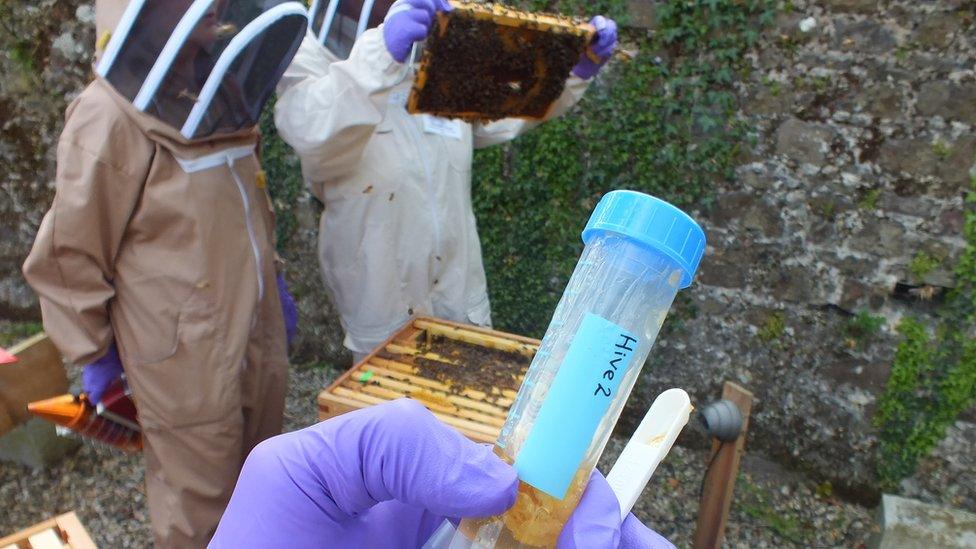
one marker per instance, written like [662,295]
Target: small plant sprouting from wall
[941,150]
[922,264]
[772,329]
[933,376]
[862,327]
[869,202]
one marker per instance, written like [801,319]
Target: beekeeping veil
[204,67]
[339,23]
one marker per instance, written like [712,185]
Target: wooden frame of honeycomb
[486,61]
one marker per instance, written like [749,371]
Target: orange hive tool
[112,422]
[6,358]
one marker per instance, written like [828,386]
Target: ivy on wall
[284,176]
[933,375]
[662,122]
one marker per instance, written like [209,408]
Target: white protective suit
[398,234]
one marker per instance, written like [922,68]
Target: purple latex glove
[97,376]
[386,477]
[381,477]
[288,309]
[603,44]
[596,523]
[409,21]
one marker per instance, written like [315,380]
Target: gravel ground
[105,487]
[772,507]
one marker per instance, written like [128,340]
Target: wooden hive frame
[375,380]
[514,27]
[62,532]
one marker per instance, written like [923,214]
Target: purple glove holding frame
[387,476]
[409,21]
[602,46]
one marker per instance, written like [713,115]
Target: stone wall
[863,145]
[45,56]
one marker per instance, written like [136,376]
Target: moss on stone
[933,375]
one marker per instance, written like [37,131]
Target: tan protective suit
[398,235]
[166,246]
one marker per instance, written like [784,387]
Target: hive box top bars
[467,376]
[486,61]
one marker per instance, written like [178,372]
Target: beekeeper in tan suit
[398,234]
[159,243]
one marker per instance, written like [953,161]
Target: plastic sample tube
[639,252]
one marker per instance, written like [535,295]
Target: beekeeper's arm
[328,111]
[603,44]
[103,162]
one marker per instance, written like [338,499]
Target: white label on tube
[585,386]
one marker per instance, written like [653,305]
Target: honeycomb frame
[487,61]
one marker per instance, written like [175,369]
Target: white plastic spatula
[648,447]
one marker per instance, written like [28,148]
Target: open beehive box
[63,532]
[467,376]
[486,61]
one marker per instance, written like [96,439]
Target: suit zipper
[250,228]
[418,138]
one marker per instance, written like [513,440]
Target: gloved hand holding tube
[386,477]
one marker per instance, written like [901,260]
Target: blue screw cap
[652,223]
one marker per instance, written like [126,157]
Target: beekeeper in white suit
[398,234]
